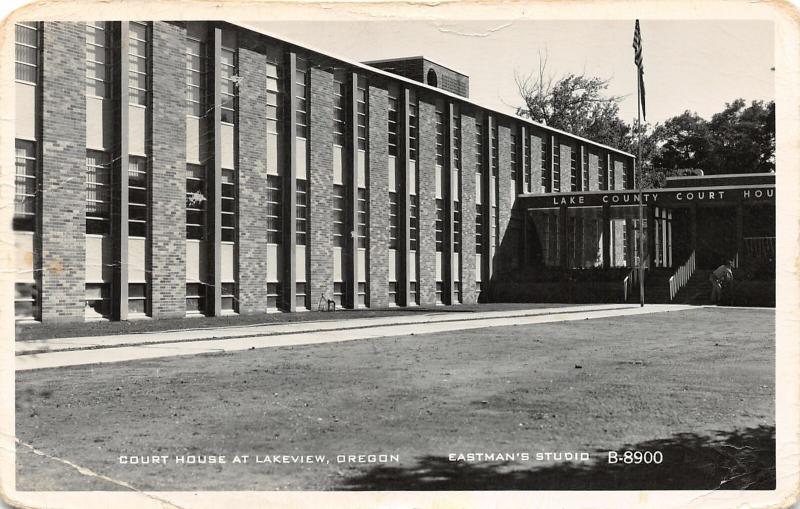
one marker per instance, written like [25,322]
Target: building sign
[661,197]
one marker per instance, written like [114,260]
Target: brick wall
[566,169]
[594,183]
[504,203]
[63,139]
[426,160]
[536,163]
[378,189]
[320,175]
[619,172]
[468,209]
[252,170]
[168,157]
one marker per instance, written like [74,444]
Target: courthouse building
[166,169]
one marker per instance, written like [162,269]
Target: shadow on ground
[742,459]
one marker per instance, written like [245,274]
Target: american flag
[637,58]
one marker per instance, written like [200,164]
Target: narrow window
[228,85]
[301,113]
[98,61]
[361,218]
[26,51]
[545,165]
[301,208]
[196,202]
[137,61]
[361,113]
[456,124]
[556,165]
[195,298]
[585,162]
[456,226]
[195,76]
[412,127]
[273,209]
[25,186]
[413,218]
[574,182]
[393,220]
[338,216]
[228,205]
[339,108]
[439,225]
[392,121]
[440,145]
[478,228]
[98,192]
[602,172]
[513,165]
[274,113]
[137,196]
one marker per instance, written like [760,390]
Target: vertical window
[412,292]
[585,162]
[394,210]
[495,155]
[456,125]
[273,113]
[602,172]
[137,196]
[339,115]
[98,300]
[456,226]
[361,113]
[439,225]
[339,289]
[392,293]
[227,85]
[513,164]
[361,218]
[137,62]
[392,121]
[301,208]
[228,205]
[526,161]
[413,219]
[413,125]
[26,51]
[98,61]
[273,209]
[556,165]
[195,298]
[338,216]
[545,165]
[612,175]
[25,301]
[300,295]
[440,145]
[479,151]
[25,186]
[574,182]
[494,219]
[301,114]
[196,202]
[478,228]
[273,291]
[137,299]
[98,192]
[195,76]
[228,296]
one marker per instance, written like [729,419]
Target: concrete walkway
[59,352]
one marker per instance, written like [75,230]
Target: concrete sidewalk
[41,354]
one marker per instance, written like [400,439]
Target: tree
[742,138]
[574,103]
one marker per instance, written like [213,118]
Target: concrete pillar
[404,188]
[468,258]
[119,180]
[450,271]
[214,293]
[350,251]
[289,243]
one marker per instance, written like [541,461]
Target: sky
[689,65]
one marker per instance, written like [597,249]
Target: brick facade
[252,171]
[378,185]
[168,163]
[62,240]
[320,189]
[426,177]
[62,146]
[468,258]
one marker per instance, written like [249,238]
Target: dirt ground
[696,385]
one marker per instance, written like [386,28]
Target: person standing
[721,275]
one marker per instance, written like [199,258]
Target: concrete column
[404,188]
[289,243]
[562,237]
[214,211]
[489,195]
[167,261]
[119,179]
[62,240]
[378,191]
[448,277]
[606,236]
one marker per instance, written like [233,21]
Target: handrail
[625,284]
[681,276]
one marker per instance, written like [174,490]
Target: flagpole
[639,178]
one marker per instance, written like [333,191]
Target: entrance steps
[695,291]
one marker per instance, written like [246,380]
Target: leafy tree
[742,138]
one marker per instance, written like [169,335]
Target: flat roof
[424,86]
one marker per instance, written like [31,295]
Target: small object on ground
[578,366]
